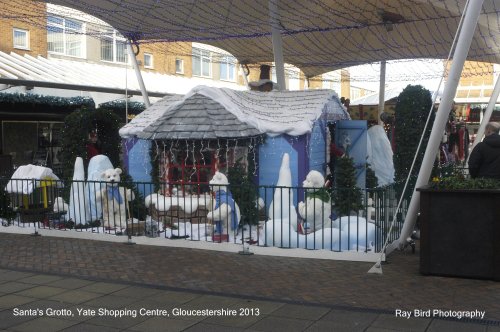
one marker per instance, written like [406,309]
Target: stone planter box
[460,233]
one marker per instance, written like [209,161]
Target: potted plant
[460,227]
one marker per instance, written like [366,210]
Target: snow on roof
[28,177]
[272,113]
[147,117]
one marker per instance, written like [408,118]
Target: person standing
[93,145]
[484,161]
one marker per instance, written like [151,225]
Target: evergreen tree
[346,195]
[77,127]
[412,109]
[371,178]
[6,211]
[120,108]
[244,193]
[75,136]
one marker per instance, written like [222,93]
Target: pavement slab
[292,294]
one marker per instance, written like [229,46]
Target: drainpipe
[277,44]
[133,58]
[473,11]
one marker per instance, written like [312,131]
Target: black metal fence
[287,217]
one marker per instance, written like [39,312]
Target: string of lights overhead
[318,35]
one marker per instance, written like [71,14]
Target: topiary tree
[346,195]
[412,107]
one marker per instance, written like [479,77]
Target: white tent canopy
[318,36]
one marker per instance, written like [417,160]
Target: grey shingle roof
[225,113]
[198,117]
[149,116]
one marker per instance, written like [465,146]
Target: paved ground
[39,275]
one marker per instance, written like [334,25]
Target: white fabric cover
[19,181]
[379,154]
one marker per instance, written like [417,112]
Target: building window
[65,36]
[21,39]
[148,60]
[202,63]
[355,93]
[113,46]
[179,66]
[227,68]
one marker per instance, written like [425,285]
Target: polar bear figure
[225,212]
[97,165]
[316,209]
[114,200]
[60,206]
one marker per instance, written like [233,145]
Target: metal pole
[126,94]
[463,44]
[277,44]
[138,74]
[245,77]
[381,93]
[487,114]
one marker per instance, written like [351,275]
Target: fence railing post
[275,227]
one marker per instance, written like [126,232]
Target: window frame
[27,39]
[229,61]
[66,30]
[203,58]
[181,71]
[111,35]
[151,64]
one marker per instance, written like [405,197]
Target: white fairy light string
[341,18]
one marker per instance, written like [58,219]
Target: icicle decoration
[193,172]
[217,155]
[227,155]
[202,154]
[253,146]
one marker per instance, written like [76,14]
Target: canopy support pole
[277,44]
[245,77]
[381,93]
[133,58]
[487,114]
[473,11]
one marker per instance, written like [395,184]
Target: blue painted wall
[317,147]
[270,156]
[139,163]
[356,131]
